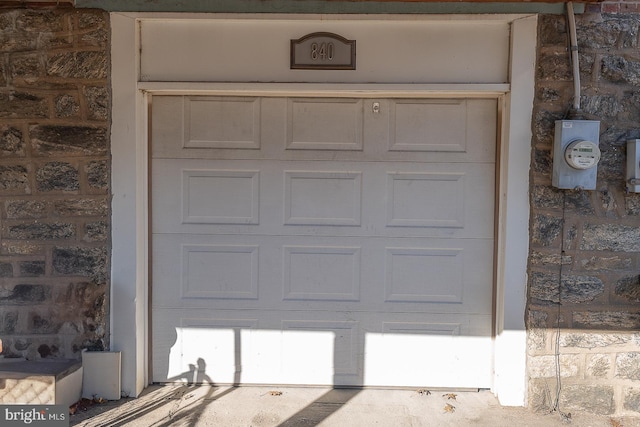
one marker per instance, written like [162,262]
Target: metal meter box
[633,166]
[576,154]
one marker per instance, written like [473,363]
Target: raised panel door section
[211,122]
[219,271]
[428,125]
[220,196]
[322,198]
[424,275]
[324,124]
[321,273]
[425,200]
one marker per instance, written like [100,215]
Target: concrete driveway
[287,406]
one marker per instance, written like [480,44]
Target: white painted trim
[129,308]
[513,227]
[327,89]
[129,207]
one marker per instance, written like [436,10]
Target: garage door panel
[298,272]
[216,122]
[407,192]
[318,198]
[427,357]
[340,129]
[312,240]
[220,196]
[219,271]
[232,346]
[324,124]
[425,125]
[321,273]
[322,198]
[442,270]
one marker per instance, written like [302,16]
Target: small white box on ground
[101,374]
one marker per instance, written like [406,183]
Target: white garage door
[318,240]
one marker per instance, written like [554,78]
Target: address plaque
[323,51]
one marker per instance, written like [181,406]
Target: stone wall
[54,182]
[584,284]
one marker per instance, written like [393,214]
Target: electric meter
[576,154]
[582,154]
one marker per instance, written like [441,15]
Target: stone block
[21,208]
[98,174]
[99,38]
[542,161]
[32,268]
[24,294]
[96,231]
[547,366]
[594,340]
[601,105]
[609,167]
[25,66]
[618,69]
[608,33]
[631,400]
[92,19]
[546,197]
[579,289]
[537,319]
[607,263]
[537,339]
[630,105]
[81,207]
[44,322]
[548,259]
[544,288]
[6,269]
[610,237]
[599,365]
[14,178]
[20,248]
[595,399]
[546,229]
[35,21]
[632,204]
[78,65]
[48,351]
[57,176]
[23,105]
[97,100]
[628,365]
[541,394]
[554,66]
[8,321]
[553,30]
[629,288]
[81,261]
[543,126]
[68,140]
[11,141]
[3,70]
[41,231]
[67,105]
[615,320]
[15,41]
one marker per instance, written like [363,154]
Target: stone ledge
[40,382]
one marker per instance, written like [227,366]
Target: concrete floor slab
[190,405]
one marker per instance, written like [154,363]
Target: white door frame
[130,219]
